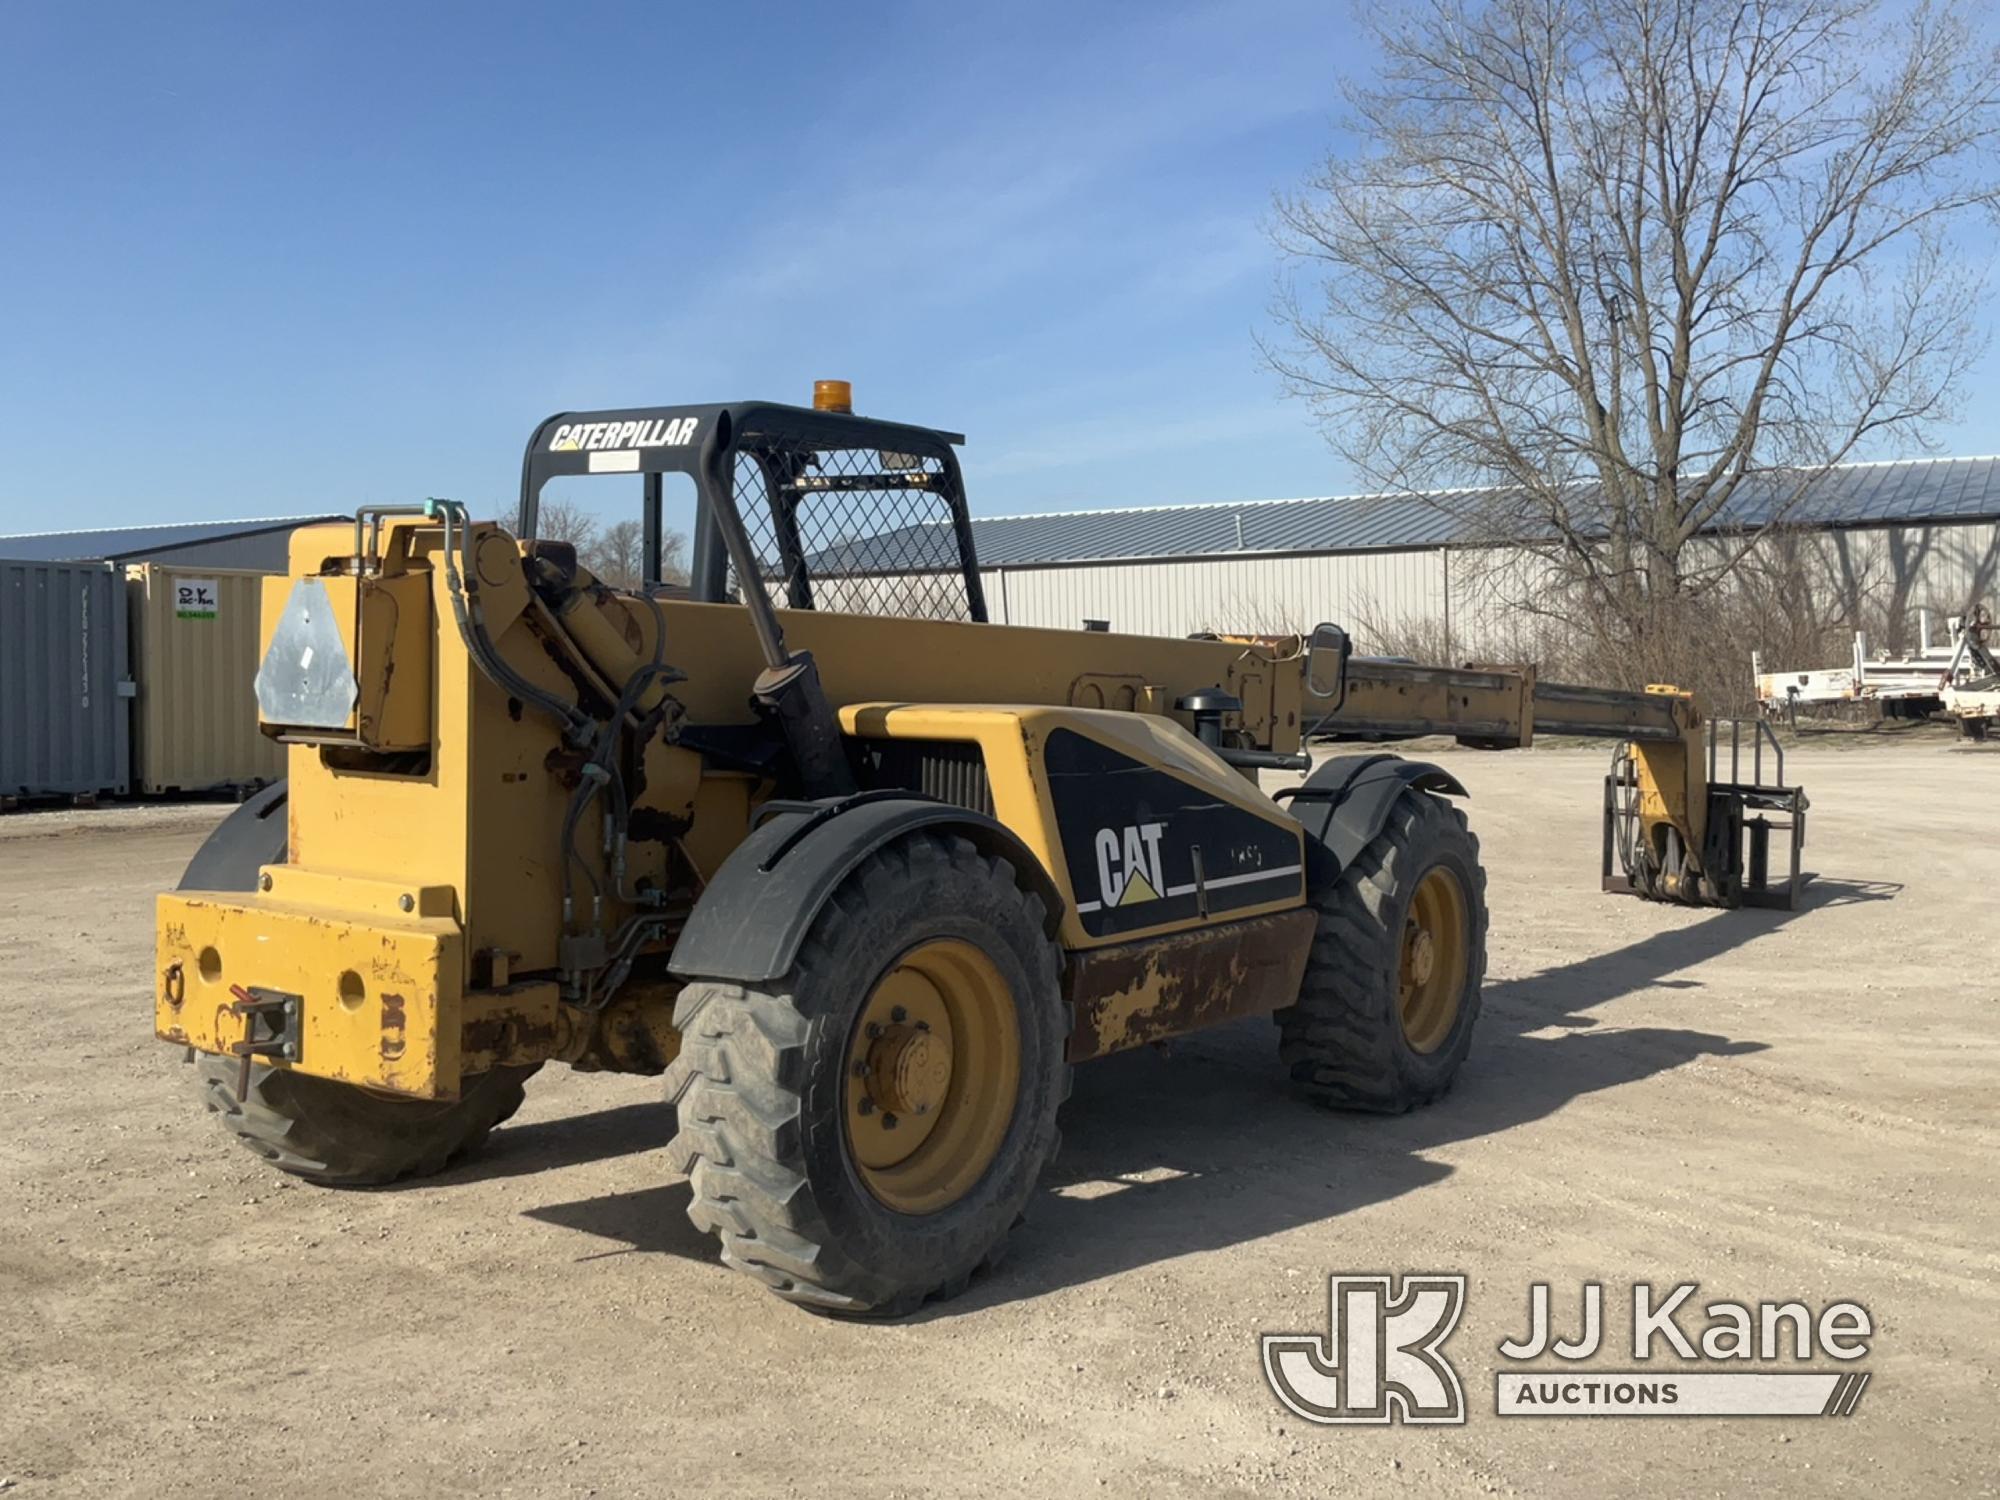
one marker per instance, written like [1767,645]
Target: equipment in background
[862,875]
[1959,676]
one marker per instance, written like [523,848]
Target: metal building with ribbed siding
[1895,536]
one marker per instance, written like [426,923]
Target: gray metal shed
[65,718]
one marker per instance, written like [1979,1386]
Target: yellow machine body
[859,873]
[415,930]
[419,885]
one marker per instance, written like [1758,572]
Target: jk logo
[1381,1360]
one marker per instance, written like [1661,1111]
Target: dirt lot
[1776,1105]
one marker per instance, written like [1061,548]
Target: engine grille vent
[948,770]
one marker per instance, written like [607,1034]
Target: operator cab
[828,510]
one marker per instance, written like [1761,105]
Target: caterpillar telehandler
[860,873]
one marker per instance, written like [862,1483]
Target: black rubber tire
[328,1132]
[758,1087]
[1343,1040]
[339,1135]
[252,836]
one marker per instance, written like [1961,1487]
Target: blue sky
[263,259]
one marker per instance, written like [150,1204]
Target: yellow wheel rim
[1431,977]
[933,1070]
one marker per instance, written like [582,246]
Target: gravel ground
[1777,1105]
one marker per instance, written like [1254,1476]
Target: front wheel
[862,1133]
[1385,1014]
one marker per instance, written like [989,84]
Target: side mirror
[1326,663]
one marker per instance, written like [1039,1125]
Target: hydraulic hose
[599,773]
[472,629]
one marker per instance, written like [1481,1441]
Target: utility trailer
[1959,675]
[862,884]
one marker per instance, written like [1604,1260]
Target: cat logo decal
[1128,864]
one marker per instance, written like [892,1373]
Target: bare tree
[614,552]
[560,520]
[1614,261]
[615,555]
[673,557]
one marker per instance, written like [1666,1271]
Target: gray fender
[1346,802]
[755,913]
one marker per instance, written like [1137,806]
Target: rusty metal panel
[1135,993]
[195,647]
[65,717]
[377,995]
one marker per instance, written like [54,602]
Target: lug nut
[861,1070]
[866,1107]
[899,1014]
[874,1028]
[888,1122]
[923,1026]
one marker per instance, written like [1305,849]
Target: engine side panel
[1141,827]
[1145,847]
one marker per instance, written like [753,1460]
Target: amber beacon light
[833,395]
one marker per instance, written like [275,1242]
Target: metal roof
[1901,491]
[115,544]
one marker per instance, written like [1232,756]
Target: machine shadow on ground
[1203,1145]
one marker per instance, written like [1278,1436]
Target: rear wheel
[862,1133]
[328,1132]
[344,1136]
[1385,1014]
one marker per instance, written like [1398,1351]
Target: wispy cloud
[1090,242]
[914,218]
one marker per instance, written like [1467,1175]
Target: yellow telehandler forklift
[862,874]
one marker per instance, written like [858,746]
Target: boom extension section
[1676,828]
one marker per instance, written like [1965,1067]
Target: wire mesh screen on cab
[853,530]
